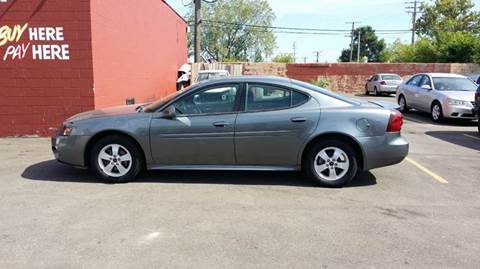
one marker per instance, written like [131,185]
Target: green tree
[227,32]
[424,51]
[283,58]
[370,45]
[458,47]
[448,16]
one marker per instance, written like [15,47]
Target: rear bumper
[385,150]
[70,149]
[388,88]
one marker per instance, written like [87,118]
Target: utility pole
[294,51]
[414,10]
[196,31]
[304,60]
[317,53]
[359,41]
[351,38]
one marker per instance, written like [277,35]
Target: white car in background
[442,95]
[211,74]
[383,83]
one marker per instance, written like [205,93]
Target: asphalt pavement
[421,213]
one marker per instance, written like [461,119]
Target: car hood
[460,95]
[104,112]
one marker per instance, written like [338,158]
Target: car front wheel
[115,159]
[331,163]
[403,104]
[437,112]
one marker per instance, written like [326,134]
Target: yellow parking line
[427,171]
[471,136]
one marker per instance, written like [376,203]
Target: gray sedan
[237,123]
[442,95]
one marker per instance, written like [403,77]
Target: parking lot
[422,213]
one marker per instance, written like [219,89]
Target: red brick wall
[138,47]
[37,95]
[351,77]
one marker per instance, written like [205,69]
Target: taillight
[395,122]
[383,82]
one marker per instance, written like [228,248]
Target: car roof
[387,74]
[264,79]
[443,75]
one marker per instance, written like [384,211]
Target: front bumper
[458,112]
[380,151]
[70,149]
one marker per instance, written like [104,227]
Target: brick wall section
[37,95]
[351,77]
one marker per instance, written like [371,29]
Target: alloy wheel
[115,160]
[331,163]
[436,112]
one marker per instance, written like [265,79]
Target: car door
[374,82]
[370,83]
[411,90]
[277,120]
[201,131]
[424,96]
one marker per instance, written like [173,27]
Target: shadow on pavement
[56,172]
[423,117]
[457,138]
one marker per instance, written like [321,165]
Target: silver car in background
[442,95]
[383,83]
[237,123]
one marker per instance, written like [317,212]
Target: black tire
[405,108]
[366,90]
[439,118]
[137,162]
[311,159]
[375,91]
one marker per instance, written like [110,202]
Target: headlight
[454,102]
[65,130]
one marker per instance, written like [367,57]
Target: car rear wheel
[366,90]
[437,112]
[375,91]
[331,163]
[116,159]
[403,104]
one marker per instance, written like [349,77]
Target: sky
[331,14]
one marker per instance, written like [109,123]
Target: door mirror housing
[169,113]
[426,87]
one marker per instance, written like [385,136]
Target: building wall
[138,47]
[36,95]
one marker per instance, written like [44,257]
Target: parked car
[442,95]
[476,109]
[383,83]
[211,74]
[237,123]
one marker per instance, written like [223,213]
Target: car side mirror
[169,113]
[426,87]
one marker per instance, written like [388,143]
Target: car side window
[375,78]
[298,98]
[415,81]
[266,97]
[426,81]
[220,99]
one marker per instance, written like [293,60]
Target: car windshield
[391,77]
[454,84]
[157,104]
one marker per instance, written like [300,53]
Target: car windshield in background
[453,84]
[157,104]
[207,76]
[391,77]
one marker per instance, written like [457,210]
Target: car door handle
[221,124]
[298,119]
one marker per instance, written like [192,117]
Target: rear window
[391,77]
